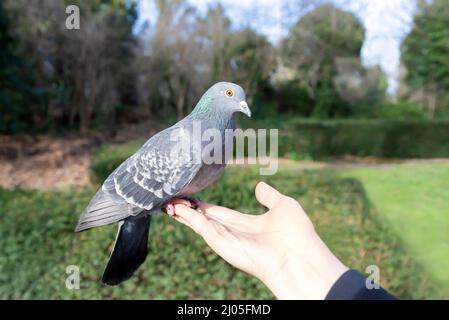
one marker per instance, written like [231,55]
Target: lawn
[38,243]
[413,201]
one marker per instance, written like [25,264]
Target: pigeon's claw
[194,203]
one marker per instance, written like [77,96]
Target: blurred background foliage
[65,94]
[180,265]
[112,72]
[424,56]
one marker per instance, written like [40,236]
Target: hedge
[379,138]
[321,139]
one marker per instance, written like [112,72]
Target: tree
[173,69]
[425,54]
[83,70]
[250,61]
[17,90]
[215,28]
[313,48]
[186,53]
[362,87]
[242,56]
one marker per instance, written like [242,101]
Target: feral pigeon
[165,168]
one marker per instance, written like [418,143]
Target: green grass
[414,201]
[37,243]
[110,156]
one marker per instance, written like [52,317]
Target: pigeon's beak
[244,108]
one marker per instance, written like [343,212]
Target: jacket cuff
[351,286]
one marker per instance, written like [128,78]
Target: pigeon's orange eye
[229,93]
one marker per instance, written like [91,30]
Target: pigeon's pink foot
[169,207]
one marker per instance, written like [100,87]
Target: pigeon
[162,171]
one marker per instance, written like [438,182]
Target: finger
[182,220]
[192,218]
[224,214]
[232,219]
[169,207]
[267,195]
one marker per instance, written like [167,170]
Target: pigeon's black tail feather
[130,249]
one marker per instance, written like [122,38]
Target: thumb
[267,195]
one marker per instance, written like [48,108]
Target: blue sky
[386,23]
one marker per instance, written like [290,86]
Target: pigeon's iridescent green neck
[210,115]
[202,107]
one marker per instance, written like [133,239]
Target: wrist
[308,274]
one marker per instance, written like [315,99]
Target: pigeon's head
[228,97]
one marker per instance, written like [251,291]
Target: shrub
[180,265]
[399,111]
[321,139]
[380,138]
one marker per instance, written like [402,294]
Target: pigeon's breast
[210,172]
[207,175]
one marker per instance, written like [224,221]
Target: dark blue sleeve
[351,286]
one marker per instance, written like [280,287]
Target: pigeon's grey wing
[105,208]
[153,175]
[158,171]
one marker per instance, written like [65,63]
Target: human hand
[280,247]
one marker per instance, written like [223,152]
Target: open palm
[267,246]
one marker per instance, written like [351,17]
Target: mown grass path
[413,200]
